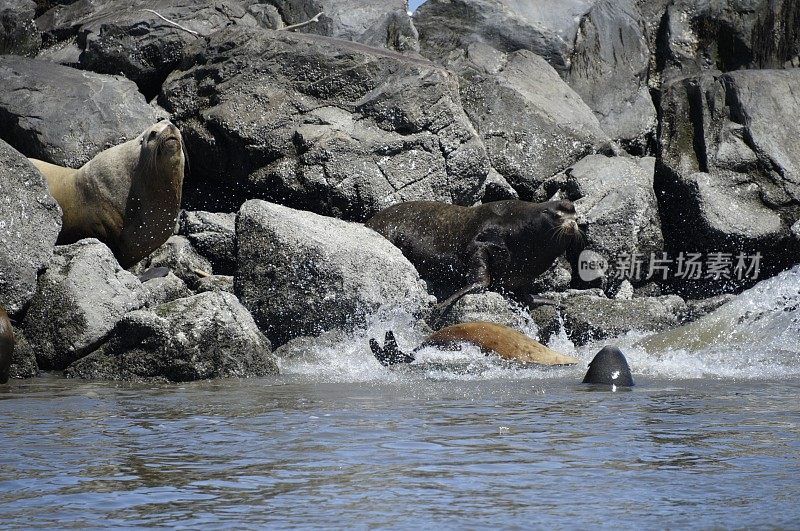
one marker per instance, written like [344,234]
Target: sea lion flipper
[390,354]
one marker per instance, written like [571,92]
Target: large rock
[374,22]
[609,68]
[728,176]
[82,295]
[66,116]
[180,257]
[301,274]
[116,36]
[728,35]
[213,235]
[599,47]
[209,335]
[321,124]
[616,206]
[30,221]
[532,124]
[590,317]
[18,32]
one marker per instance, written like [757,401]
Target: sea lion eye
[152,135]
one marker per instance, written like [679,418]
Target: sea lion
[127,196]
[459,250]
[609,367]
[489,337]
[6,345]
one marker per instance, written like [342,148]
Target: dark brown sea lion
[128,196]
[489,337]
[458,250]
[6,345]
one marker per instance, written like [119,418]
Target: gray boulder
[382,23]
[103,111]
[29,225]
[81,296]
[728,35]
[23,359]
[302,274]
[489,307]
[598,47]
[180,257]
[215,283]
[590,317]
[209,335]
[115,36]
[213,235]
[322,124]
[532,124]
[729,169]
[165,289]
[616,206]
[18,32]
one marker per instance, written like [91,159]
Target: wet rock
[598,47]
[115,36]
[699,307]
[81,296]
[588,318]
[209,335]
[213,235]
[18,32]
[728,177]
[729,35]
[532,124]
[321,274]
[180,257]
[617,208]
[215,283]
[320,124]
[488,306]
[23,359]
[383,23]
[30,221]
[103,111]
[557,278]
[165,289]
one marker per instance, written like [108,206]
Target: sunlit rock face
[728,176]
[320,124]
[302,274]
[65,116]
[18,32]
[210,335]
[81,296]
[382,23]
[30,221]
[599,47]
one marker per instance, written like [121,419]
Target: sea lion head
[609,367]
[562,219]
[162,148]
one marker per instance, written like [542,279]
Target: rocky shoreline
[671,126]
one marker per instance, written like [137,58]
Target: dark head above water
[609,367]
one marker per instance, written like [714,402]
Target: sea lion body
[127,196]
[6,345]
[491,338]
[457,250]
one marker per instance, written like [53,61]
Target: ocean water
[709,437]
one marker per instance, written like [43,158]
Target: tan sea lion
[127,196]
[489,337]
[6,345]
[459,250]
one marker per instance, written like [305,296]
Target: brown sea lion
[6,345]
[459,250]
[489,337]
[127,196]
